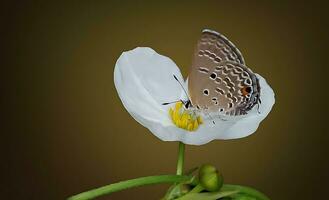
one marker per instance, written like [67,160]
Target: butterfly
[219,81]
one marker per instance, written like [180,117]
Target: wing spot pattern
[218,80]
[220,91]
[203,70]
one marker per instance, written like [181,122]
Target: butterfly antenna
[223,119]
[181,86]
[212,119]
[258,105]
[167,103]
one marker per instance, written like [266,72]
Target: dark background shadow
[66,130]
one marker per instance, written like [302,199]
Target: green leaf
[231,192]
[115,187]
[179,189]
[244,192]
[207,195]
[242,197]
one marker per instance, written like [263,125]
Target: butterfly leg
[258,105]
[221,118]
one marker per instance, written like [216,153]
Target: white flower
[144,81]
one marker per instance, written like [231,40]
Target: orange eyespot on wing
[246,90]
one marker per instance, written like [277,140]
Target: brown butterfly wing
[217,75]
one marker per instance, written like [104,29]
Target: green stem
[180,162]
[115,187]
[246,190]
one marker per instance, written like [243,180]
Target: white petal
[144,80]
[231,129]
[204,134]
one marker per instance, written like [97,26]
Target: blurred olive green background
[69,132]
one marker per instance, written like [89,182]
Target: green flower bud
[210,179]
[206,169]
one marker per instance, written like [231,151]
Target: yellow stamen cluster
[184,119]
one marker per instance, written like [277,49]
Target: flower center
[184,118]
